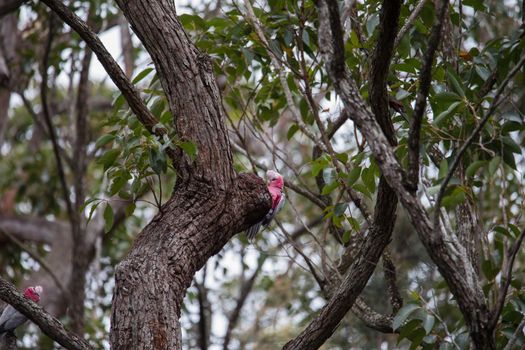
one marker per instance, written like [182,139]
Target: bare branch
[47,323]
[38,259]
[49,124]
[409,22]
[507,278]
[515,336]
[425,78]
[391,279]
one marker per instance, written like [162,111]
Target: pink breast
[276,195]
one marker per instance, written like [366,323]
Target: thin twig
[49,124]
[35,256]
[507,277]
[409,22]
[519,329]
[425,78]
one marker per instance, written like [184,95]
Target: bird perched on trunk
[275,187]
[11,317]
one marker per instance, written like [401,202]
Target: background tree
[359,105]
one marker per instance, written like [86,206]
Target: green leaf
[354,175]
[493,165]
[343,157]
[445,115]
[329,188]
[346,236]
[291,131]
[447,97]
[108,218]
[340,208]
[369,179]
[490,270]
[92,211]
[189,148]
[354,223]
[443,168]
[104,139]
[363,189]
[403,314]
[455,83]
[428,323]
[142,75]
[158,161]
[456,197]
[407,330]
[510,144]
[476,4]
[130,209]
[473,168]
[108,159]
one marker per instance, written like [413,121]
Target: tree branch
[10,6]
[425,78]
[38,259]
[455,163]
[411,19]
[507,278]
[49,124]
[47,323]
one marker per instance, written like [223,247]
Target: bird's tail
[252,231]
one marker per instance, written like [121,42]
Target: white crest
[270,174]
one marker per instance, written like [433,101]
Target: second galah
[11,317]
[275,187]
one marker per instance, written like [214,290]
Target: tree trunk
[209,203]
[151,282]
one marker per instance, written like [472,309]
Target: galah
[11,317]
[275,187]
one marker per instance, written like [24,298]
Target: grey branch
[47,323]
[425,78]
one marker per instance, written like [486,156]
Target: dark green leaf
[108,218]
[108,159]
[104,139]
[142,75]
[403,314]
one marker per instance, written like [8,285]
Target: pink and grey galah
[275,187]
[11,317]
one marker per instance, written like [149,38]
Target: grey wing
[252,231]
[271,214]
[10,319]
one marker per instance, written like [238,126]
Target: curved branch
[47,323]
[425,78]
[507,277]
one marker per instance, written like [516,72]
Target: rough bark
[209,203]
[8,341]
[151,282]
